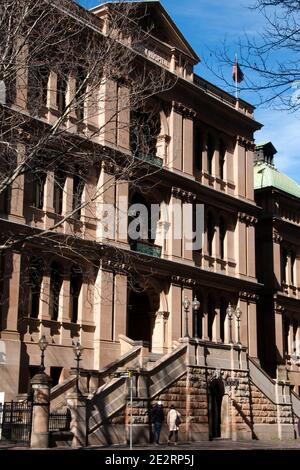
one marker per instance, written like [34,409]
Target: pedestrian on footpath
[173,420]
[157,418]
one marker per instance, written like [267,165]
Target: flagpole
[236,78]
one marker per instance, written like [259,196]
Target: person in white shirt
[173,420]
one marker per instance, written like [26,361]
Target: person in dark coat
[157,418]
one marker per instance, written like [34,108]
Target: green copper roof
[266,175]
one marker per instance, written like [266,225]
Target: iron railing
[60,421]
[16,421]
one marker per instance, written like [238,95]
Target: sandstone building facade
[127,309]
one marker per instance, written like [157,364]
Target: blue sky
[205,24]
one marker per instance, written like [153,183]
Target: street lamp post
[186,305]
[196,308]
[229,312]
[43,343]
[78,353]
[238,314]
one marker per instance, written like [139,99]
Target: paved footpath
[214,445]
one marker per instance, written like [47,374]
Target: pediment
[156,21]
[162,27]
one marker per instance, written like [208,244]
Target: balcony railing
[152,159]
[146,248]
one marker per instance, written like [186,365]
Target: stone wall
[246,412]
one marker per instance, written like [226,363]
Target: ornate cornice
[249,220]
[183,195]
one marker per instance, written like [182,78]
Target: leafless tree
[68,83]
[270,59]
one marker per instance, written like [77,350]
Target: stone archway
[215,397]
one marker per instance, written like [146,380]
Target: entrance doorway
[139,327]
[216,393]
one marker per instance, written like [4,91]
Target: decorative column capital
[249,220]
[248,296]
[186,196]
[183,281]
[276,237]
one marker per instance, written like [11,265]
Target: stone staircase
[260,407]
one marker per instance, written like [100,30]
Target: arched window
[210,233]
[222,153]
[35,275]
[210,153]
[198,146]
[55,286]
[222,235]
[211,315]
[59,183]
[75,287]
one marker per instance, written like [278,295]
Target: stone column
[249,172]
[48,198]
[21,73]
[105,208]
[10,344]
[159,332]
[252,328]
[290,343]
[64,314]
[17,187]
[279,341]
[122,200]
[41,384]
[216,324]
[107,111]
[176,144]
[205,320]
[251,271]
[44,305]
[103,313]
[77,407]
[123,121]
[277,239]
[174,302]
[187,292]
[240,168]
[120,306]
[240,245]
[188,143]
[52,97]
[10,293]
[174,242]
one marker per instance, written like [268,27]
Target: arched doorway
[216,393]
[139,326]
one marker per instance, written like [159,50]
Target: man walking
[158,418]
